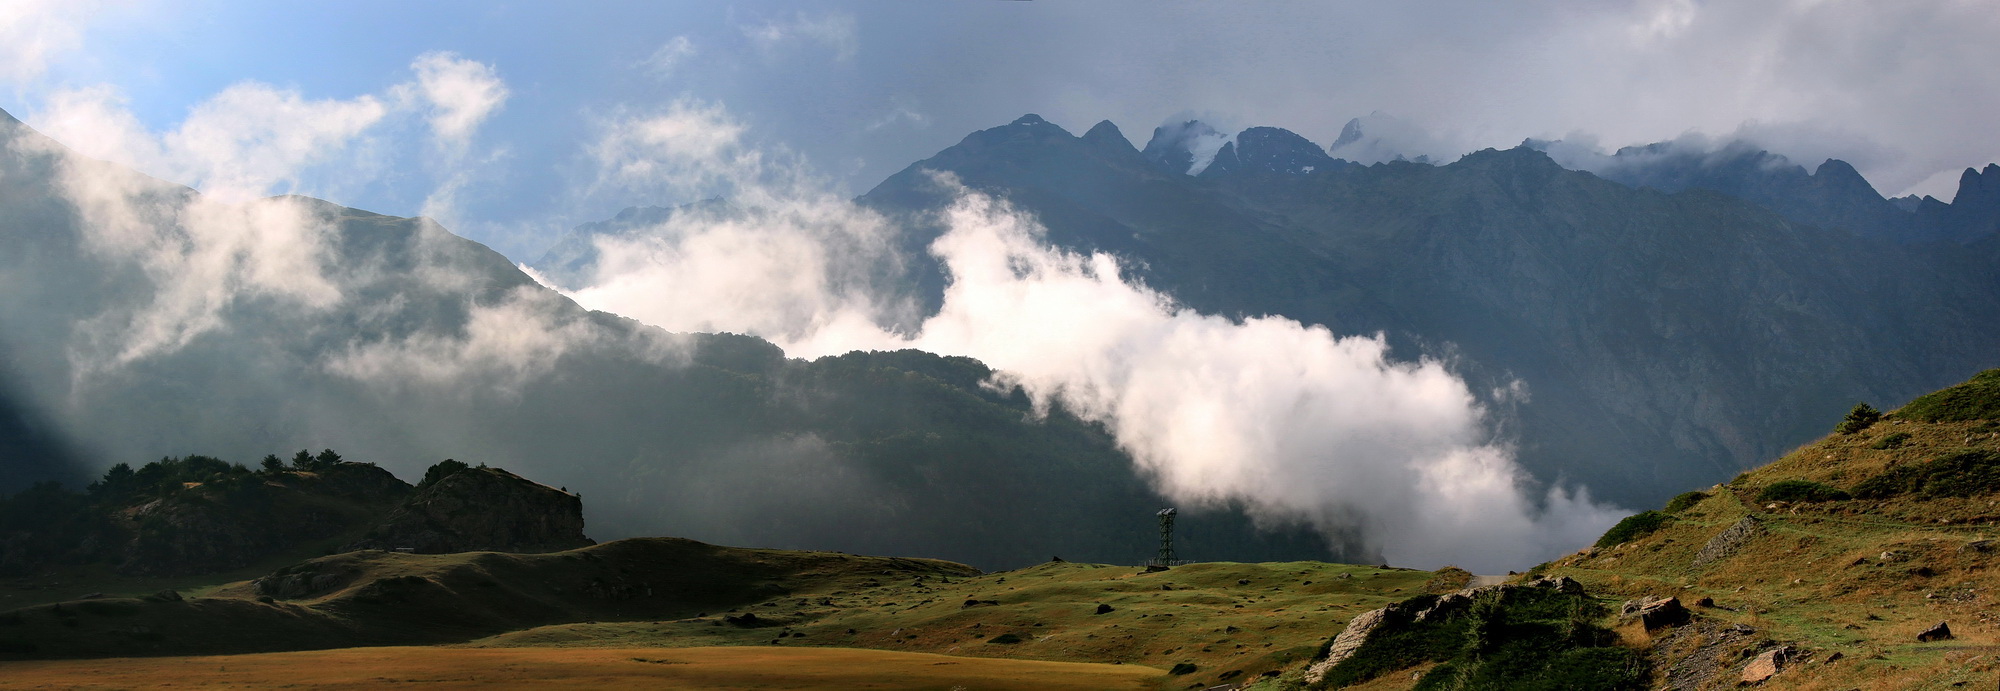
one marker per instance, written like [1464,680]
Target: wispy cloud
[32,32]
[833,31]
[669,57]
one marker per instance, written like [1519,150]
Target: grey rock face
[483,509]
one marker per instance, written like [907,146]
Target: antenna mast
[1166,557]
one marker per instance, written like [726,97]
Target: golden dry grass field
[732,668]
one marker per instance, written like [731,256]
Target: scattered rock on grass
[1768,664]
[1941,632]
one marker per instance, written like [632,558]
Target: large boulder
[482,510]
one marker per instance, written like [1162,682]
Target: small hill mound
[374,598]
[481,509]
[193,515]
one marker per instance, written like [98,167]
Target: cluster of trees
[122,483]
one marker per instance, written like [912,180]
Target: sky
[494,115]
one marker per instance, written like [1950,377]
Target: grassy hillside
[1208,623]
[388,598]
[1845,549]
[1212,623]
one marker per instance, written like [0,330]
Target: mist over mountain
[1638,340]
[1833,195]
[145,319]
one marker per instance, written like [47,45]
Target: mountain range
[1636,331]
[1665,337]
[144,319]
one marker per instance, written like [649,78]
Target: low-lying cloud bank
[1295,422]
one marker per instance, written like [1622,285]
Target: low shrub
[1962,474]
[1801,490]
[1681,502]
[1005,639]
[1635,526]
[1183,668]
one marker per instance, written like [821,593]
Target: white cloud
[689,146]
[245,142]
[900,111]
[32,32]
[461,93]
[200,252]
[503,345]
[670,56]
[203,253]
[833,31]
[1378,137]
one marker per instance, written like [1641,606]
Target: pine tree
[1860,418]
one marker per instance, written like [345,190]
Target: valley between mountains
[1860,560]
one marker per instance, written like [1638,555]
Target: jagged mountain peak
[1278,150]
[1976,184]
[1187,147]
[1349,134]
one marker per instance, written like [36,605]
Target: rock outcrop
[1422,609]
[482,509]
[230,524]
[1728,541]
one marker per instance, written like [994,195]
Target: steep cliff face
[482,509]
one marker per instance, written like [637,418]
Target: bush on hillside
[1962,474]
[1681,502]
[1976,399]
[1801,490]
[444,469]
[1860,417]
[1635,526]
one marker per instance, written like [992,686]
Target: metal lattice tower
[1166,537]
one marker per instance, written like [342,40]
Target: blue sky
[857,90]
